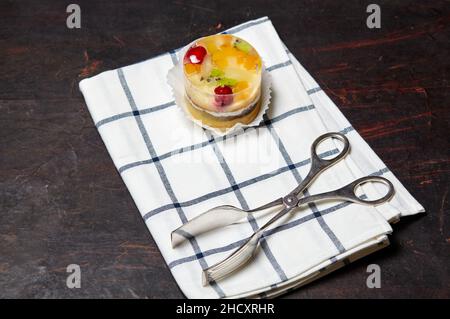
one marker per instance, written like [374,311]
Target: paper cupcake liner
[175,79]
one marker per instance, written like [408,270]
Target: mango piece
[240,86]
[192,68]
[252,62]
[219,58]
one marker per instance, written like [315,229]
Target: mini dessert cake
[222,76]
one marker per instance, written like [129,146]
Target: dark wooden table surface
[63,202]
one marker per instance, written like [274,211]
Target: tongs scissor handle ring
[349,191]
[321,163]
[318,165]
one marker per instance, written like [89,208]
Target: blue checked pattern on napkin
[174,171]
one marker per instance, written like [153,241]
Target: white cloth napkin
[175,171]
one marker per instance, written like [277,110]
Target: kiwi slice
[242,45]
[227,82]
[216,73]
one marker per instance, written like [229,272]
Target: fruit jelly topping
[224,63]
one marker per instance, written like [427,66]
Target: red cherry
[195,55]
[223,95]
[224,89]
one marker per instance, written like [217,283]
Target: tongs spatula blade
[240,256]
[216,217]
[236,260]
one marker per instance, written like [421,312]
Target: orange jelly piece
[251,62]
[248,60]
[220,59]
[240,86]
[211,42]
[192,68]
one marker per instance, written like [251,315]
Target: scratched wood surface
[62,201]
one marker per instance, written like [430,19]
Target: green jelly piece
[227,82]
[243,46]
[216,73]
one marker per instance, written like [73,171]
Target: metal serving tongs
[226,215]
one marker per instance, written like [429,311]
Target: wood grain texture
[63,202]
